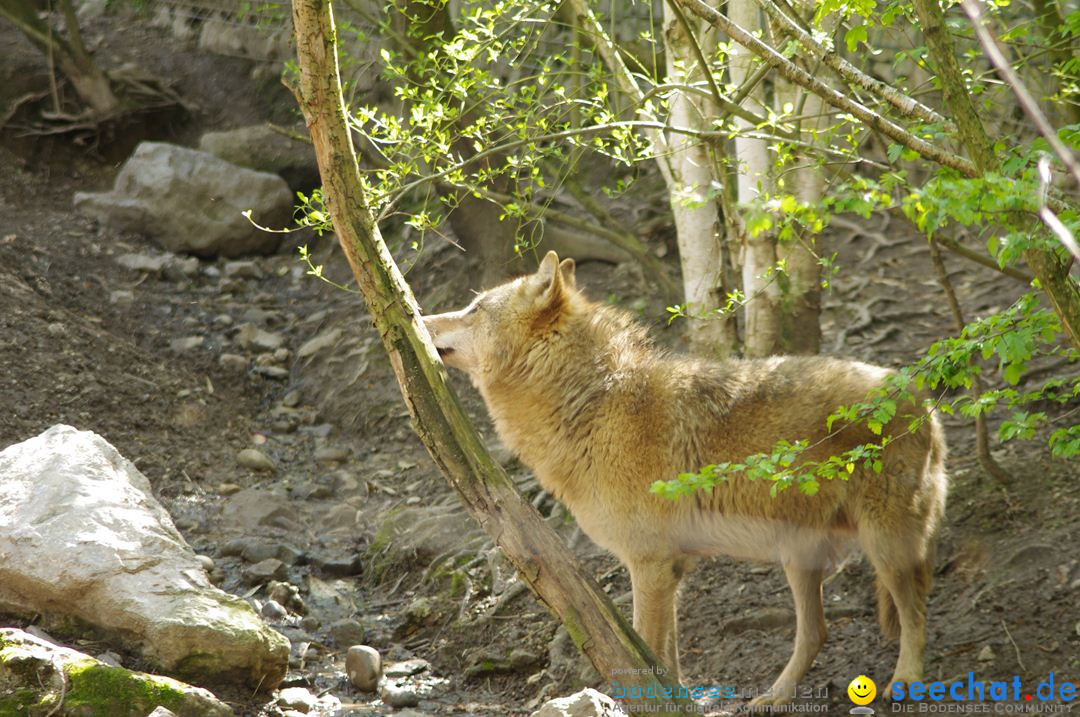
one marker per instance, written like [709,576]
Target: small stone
[274,372]
[211,272]
[297,698]
[323,341]
[233,362]
[111,659]
[282,355]
[291,399]
[227,489]
[56,329]
[223,320]
[206,562]
[341,516]
[272,610]
[287,595]
[251,336]
[186,344]
[160,711]
[142,262]
[254,459]
[986,654]
[340,566]
[121,296]
[243,270]
[407,668]
[310,623]
[399,695]
[178,268]
[363,665]
[255,551]
[347,632]
[331,454]
[264,571]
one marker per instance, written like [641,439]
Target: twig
[906,105]
[801,77]
[63,689]
[1015,647]
[1027,102]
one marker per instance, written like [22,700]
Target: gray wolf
[580,395]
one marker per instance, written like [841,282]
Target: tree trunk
[698,226]
[763,335]
[1061,290]
[91,84]
[541,558]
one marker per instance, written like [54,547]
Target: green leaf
[854,36]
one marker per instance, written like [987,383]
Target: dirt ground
[383,553]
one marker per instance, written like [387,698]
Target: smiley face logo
[862,690]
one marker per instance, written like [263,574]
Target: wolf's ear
[566,268]
[549,277]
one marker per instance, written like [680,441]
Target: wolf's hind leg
[904,568]
[805,579]
[655,583]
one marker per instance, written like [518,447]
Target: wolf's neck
[547,406]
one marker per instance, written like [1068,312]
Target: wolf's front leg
[656,583]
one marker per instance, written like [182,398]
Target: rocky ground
[260,405]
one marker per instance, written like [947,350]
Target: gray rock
[206,562]
[319,343]
[160,711]
[287,595]
[251,336]
[259,147]
[399,695]
[407,668]
[192,202]
[121,296]
[233,362]
[243,270]
[297,698]
[275,372]
[587,703]
[253,508]
[363,665]
[254,459]
[272,610]
[81,536]
[347,632]
[264,571]
[331,454]
[142,262]
[40,673]
[291,399]
[186,344]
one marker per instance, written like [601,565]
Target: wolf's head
[498,327]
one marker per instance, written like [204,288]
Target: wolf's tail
[888,616]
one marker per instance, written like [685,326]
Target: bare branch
[801,77]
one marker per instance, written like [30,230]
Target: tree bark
[541,558]
[697,216]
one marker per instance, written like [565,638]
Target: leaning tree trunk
[698,221]
[90,82]
[539,555]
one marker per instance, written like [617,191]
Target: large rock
[82,537]
[39,678]
[587,703]
[261,148]
[191,201]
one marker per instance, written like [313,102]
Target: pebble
[272,610]
[254,459]
[399,695]
[363,665]
[288,595]
[331,454]
[986,654]
[206,562]
[121,296]
[142,262]
[251,335]
[347,632]
[233,362]
[178,268]
[256,551]
[186,344]
[56,328]
[291,399]
[297,698]
[223,320]
[340,567]
[111,659]
[264,571]
[274,372]
[243,270]
[227,489]
[160,711]
[310,623]
[282,355]
[323,341]
[407,668]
